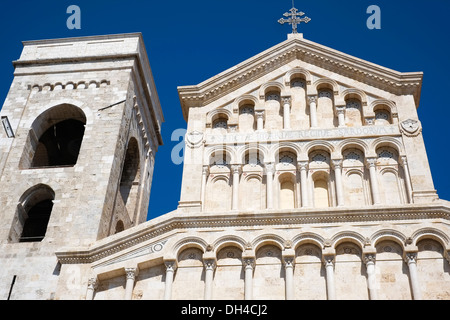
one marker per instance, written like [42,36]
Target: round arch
[271,85]
[348,236]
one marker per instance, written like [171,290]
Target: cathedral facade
[305,177]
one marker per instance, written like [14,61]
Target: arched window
[131,174]
[353,112]
[382,115]
[287,191]
[220,123]
[298,83]
[390,178]
[32,215]
[321,194]
[354,179]
[273,110]
[55,138]
[325,109]
[273,96]
[247,117]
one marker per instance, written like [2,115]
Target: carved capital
[236,168]
[269,168]
[171,265]
[249,262]
[403,161]
[93,284]
[312,99]
[131,273]
[289,261]
[369,258]
[371,162]
[302,165]
[328,260]
[205,170]
[410,257]
[340,110]
[210,264]
[337,164]
[286,100]
[259,114]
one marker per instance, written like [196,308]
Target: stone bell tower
[81,127]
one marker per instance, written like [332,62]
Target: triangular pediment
[298,48]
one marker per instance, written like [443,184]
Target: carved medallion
[194,139]
[411,128]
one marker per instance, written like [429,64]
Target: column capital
[171,264]
[369,258]
[236,168]
[131,273]
[410,256]
[269,167]
[371,162]
[210,263]
[312,98]
[249,258]
[205,169]
[340,110]
[403,160]
[328,260]
[303,165]
[259,113]
[289,261]
[93,283]
[336,163]
[286,100]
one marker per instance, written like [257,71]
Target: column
[303,167]
[259,120]
[130,274]
[328,261]
[341,115]
[286,112]
[404,164]
[411,259]
[249,265]
[313,110]
[171,266]
[269,181]
[236,169]
[337,164]
[205,172]
[289,261]
[92,286]
[210,266]
[369,260]
[371,164]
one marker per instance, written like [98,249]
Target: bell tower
[81,127]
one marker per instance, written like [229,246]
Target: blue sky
[191,41]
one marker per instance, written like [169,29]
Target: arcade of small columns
[302,171]
[410,254]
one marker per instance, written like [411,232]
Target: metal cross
[294,19]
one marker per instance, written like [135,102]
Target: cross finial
[294,19]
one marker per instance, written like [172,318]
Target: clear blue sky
[191,41]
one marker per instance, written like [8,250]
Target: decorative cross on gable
[294,19]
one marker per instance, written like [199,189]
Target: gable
[296,51]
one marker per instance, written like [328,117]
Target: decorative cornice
[176,220]
[366,72]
